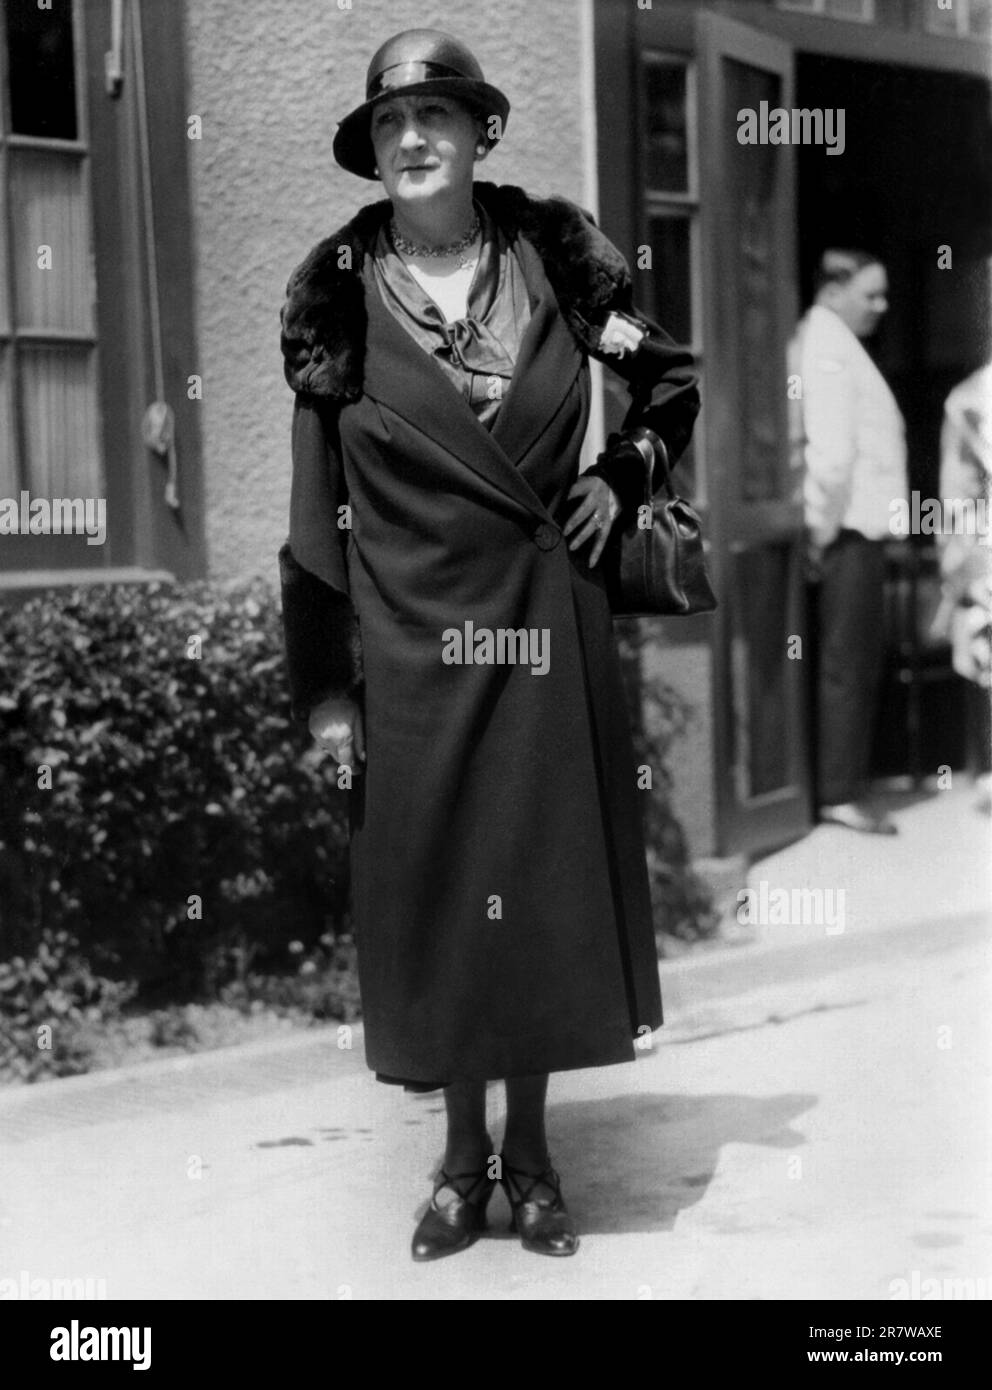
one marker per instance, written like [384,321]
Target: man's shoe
[855,817]
[458,1223]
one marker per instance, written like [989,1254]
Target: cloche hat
[417,60]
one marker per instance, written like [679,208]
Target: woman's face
[424,145]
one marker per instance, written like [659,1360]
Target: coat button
[546,537]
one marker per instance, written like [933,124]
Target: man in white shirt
[854,465]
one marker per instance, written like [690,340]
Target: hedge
[156,799]
[167,831]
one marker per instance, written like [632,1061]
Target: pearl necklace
[411,248]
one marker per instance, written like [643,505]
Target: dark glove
[621,466]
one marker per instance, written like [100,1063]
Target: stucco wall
[270,82]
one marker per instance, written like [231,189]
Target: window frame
[145,537]
[47,550]
[657,203]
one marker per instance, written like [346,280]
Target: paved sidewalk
[937,869]
[809,1124]
[939,865]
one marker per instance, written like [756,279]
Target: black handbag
[658,568]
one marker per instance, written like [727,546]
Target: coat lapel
[547,366]
[407,380]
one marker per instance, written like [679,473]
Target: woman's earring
[375,170]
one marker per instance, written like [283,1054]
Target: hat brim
[353,142]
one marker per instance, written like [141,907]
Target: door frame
[749,821]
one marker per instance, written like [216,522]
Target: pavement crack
[773,1019]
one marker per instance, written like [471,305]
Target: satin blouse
[477,353]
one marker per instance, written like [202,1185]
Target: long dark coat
[500,893]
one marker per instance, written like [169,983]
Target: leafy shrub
[156,800]
[324,985]
[682,904]
[51,1006]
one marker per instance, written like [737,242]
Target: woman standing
[448,633]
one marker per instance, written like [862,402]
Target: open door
[751,305]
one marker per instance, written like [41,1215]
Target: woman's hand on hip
[597,510]
[336,724]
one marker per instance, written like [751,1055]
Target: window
[962,19]
[49,418]
[860,11]
[670,205]
[94,221]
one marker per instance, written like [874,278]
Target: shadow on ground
[631,1163]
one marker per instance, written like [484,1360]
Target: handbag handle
[648,443]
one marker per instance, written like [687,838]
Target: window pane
[980,18]
[49,209]
[667,146]
[753,194]
[42,70]
[671,268]
[863,10]
[941,21]
[58,400]
[8,458]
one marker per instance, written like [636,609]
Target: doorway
[915,177]
[743,225]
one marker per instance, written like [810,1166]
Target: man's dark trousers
[849,634]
